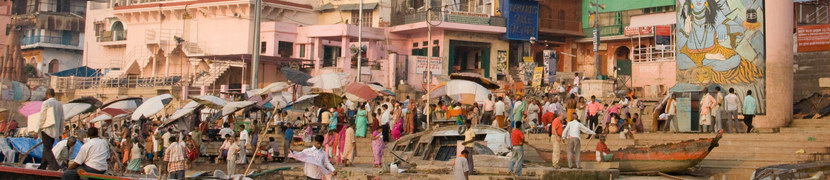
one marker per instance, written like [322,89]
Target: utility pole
[597,59]
[428,71]
[256,48]
[359,40]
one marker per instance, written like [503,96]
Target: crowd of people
[148,147]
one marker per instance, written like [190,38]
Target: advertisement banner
[813,38]
[522,19]
[537,76]
[422,62]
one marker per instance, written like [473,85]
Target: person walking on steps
[571,134]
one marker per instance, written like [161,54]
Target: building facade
[52,33]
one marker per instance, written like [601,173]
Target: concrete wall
[809,68]
[647,75]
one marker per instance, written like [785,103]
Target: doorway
[466,56]
[623,66]
[330,54]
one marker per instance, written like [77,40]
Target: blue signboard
[522,19]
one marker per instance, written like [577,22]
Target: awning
[324,7]
[649,20]
[685,87]
[355,7]
[82,71]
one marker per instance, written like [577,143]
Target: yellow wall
[496,45]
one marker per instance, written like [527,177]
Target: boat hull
[15,173]
[671,157]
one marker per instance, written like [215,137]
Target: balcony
[560,26]
[50,41]
[113,38]
[612,30]
[462,17]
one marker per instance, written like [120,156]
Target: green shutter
[485,62]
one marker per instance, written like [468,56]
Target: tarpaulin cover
[82,71]
[24,144]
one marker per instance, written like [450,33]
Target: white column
[779,65]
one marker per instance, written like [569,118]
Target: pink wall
[654,74]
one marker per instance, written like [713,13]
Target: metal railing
[69,41]
[117,82]
[463,17]
[108,36]
[611,30]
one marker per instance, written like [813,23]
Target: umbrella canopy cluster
[463,91]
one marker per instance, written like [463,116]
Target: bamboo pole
[261,134]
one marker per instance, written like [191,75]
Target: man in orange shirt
[517,140]
[556,138]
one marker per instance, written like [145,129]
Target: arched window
[118,31]
[54,66]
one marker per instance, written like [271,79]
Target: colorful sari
[397,129]
[377,147]
[360,123]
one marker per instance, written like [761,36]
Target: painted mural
[722,42]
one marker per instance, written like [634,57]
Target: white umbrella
[184,111]
[152,106]
[304,98]
[104,117]
[329,81]
[463,91]
[232,107]
[210,101]
[270,88]
[71,110]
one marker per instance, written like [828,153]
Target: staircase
[217,68]
[363,153]
[191,49]
[737,155]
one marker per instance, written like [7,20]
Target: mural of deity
[722,42]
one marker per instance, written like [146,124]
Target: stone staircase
[738,154]
[363,153]
[216,70]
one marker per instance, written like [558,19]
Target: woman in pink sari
[329,144]
[341,142]
[377,147]
[397,129]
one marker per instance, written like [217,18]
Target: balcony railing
[559,25]
[118,82]
[108,36]
[462,17]
[612,30]
[69,41]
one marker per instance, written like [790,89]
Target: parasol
[184,111]
[380,89]
[87,100]
[296,76]
[270,88]
[329,81]
[463,91]
[30,108]
[152,106]
[73,109]
[128,103]
[360,92]
[209,101]
[477,78]
[233,107]
[304,98]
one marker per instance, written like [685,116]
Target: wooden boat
[671,157]
[14,173]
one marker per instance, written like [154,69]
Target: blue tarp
[24,144]
[82,71]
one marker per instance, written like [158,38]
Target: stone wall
[809,68]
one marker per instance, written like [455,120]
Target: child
[602,149]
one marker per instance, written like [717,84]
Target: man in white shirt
[731,103]
[225,131]
[384,122]
[487,116]
[317,165]
[63,150]
[53,108]
[499,112]
[671,111]
[91,158]
[718,110]
[166,137]
[243,142]
[571,134]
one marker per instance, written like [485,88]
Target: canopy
[329,81]
[212,102]
[232,107]
[360,92]
[128,103]
[152,106]
[463,91]
[380,89]
[270,88]
[82,71]
[24,144]
[71,110]
[296,76]
[30,108]
[87,100]
[477,78]
[182,112]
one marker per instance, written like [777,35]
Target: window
[367,18]
[302,50]
[286,49]
[263,47]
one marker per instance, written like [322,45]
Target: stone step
[741,143]
[758,156]
[739,163]
[781,150]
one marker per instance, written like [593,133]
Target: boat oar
[262,134]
